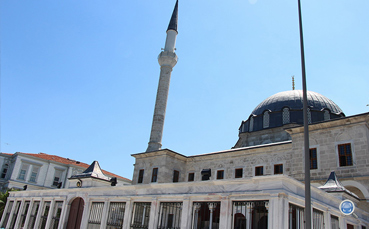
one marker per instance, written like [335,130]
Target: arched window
[266,119]
[251,124]
[327,115]
[286,115]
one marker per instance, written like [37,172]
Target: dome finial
[293,82]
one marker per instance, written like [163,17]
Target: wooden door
[75,214]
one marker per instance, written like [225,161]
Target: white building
[41,171]
[256,184]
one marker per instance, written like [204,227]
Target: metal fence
[170,215]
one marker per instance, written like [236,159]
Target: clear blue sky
[79,78]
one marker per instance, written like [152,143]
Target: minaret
[167,60]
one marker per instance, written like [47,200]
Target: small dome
[287,107]
[294,101]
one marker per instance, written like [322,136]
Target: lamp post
[306,130]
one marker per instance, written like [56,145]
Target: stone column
[186,213]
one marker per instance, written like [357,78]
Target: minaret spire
[167,60]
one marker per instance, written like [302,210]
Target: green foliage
[3,199]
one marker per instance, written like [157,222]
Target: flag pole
[306,130]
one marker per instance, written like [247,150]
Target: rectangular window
[206,215]
[32,218]
[345,154]
[250,214]
[23,172]
[278,169]
[7,214]
[238,173]
[296,217]
[313,159]
[318,219]
[15,214]
[140,176]
[175,176]
[335,223]
[140,215]
[154,177]
[5,170]
[116,215]
[57,177]
[96,211]
[170,214]
[34,173]
[220,174]
[191,176]
[259,170]
[56,214]
[45,213]
[24,214]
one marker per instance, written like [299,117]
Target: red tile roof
[68,161]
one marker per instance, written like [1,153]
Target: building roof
[334,185]
[174,19]
[68,161]
[93,171]
[293,100]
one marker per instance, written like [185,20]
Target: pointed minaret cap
[334,185]
[93,171]
[174,20]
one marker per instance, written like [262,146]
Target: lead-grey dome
[293,100]
[287,107]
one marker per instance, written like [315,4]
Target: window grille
[15,214]
[56,214]
[313,158]
[94,220]
[141,215]
[7,214]
[250,214]
[116,215]
[206,215]
[266,119]
[45,213]
[32,218]
[286,115]
[296,217]
[335,224]
[345,154]
[24,214]
[170,215]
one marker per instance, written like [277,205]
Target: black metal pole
[306,130]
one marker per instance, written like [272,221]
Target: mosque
[258,183]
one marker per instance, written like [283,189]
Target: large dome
[293,100]
[287,108]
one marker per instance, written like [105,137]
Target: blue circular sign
[347,207]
